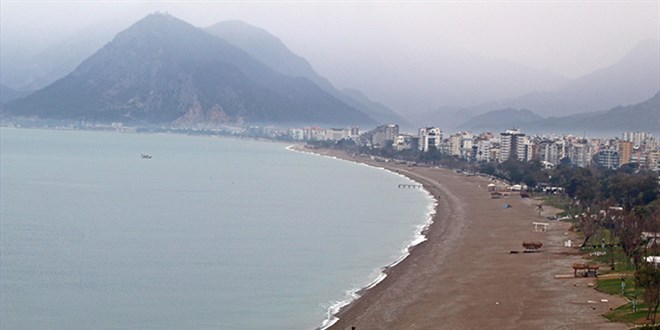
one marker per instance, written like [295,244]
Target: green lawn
[625,314]
[613,286]
[603,256]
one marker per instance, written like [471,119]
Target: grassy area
[648,327]
[598,250]
[559,201]
[613,286]
[596,253]
[625,314]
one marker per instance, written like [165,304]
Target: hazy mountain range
[270,50]
[29,72]
[644,116]
[8,94]
[632,79]
[163,70]
[247,75]
[499,120]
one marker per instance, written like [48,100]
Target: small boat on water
[145,156]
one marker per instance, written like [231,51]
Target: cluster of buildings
[640,148]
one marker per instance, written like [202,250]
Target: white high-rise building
[637,138]
[383,134]
[608,157]
[467,141]
[580,153]
[512,145]
[455,144]
[429,137]
[552,151]
[484,151]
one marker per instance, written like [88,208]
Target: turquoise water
[210,233]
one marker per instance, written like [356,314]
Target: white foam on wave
[353,294]
[418,238]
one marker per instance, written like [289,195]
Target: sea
[208,233]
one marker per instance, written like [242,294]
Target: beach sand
[464,276]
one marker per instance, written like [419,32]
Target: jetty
[405,185]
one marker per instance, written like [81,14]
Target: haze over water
[209,233]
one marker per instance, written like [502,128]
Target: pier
[416,186]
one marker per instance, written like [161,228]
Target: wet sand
[464,276]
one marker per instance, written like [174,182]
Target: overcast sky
[566,37]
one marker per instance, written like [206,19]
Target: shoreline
[463,276]
[419,238]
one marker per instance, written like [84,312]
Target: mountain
[162,70]
[381,113]
[266,48]
[8,94]
[422,78]
[500,120]
[632,78]
[643,116]
[271,51]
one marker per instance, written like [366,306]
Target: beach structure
[532,246]
[585,270]
[540,226]
[406,185]
[655,260]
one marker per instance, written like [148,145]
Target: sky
[569,38]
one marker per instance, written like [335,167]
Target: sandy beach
[464,276]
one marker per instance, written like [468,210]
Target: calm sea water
[208,234]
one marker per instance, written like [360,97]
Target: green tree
[583,186]
[628,227]
[632,190]
[589,222]
[648,277]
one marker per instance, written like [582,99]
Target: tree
[648,277]
[631,190]
[589,222]
[487,168]
[629,227]
[583,186]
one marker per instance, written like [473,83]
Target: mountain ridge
[640,116]
[162,70]
[500,120]
[627,81]
[8,94]
[271,51]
